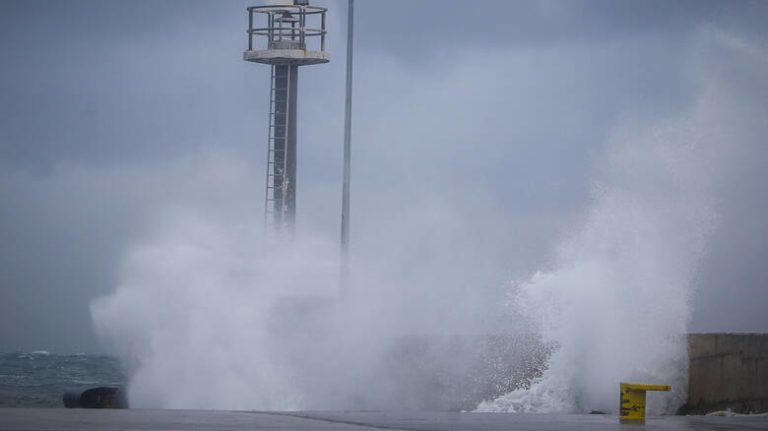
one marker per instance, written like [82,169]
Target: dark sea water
[39,379]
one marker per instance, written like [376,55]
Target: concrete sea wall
[727,371]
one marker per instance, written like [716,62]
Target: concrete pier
[83,419]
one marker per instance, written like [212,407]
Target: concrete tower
[284,34]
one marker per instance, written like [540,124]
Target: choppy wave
[40,378]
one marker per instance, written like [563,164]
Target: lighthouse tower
[284,34]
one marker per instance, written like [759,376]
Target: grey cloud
[489,115]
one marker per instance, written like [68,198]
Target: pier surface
[83,419]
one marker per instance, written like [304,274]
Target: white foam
[617,302]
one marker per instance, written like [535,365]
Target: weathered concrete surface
[728,371]
[81,419]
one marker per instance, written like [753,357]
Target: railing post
[302,26]
[322,31]
[250,29]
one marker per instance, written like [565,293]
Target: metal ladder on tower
[276,180]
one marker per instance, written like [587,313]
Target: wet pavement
[83,419]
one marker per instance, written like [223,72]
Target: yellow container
[632,407]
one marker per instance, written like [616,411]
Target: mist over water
[192,316]
[209,314]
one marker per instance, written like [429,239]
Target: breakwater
[727,371]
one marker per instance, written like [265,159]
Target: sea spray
[619,299]
[617,304]
[194,313]
[207,316]
[190,317]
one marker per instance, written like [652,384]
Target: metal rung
[276,157]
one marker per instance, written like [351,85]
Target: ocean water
[39,379]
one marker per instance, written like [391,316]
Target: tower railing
[287,27]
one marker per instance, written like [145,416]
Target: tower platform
[298,57]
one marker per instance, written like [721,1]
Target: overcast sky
[492,114]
